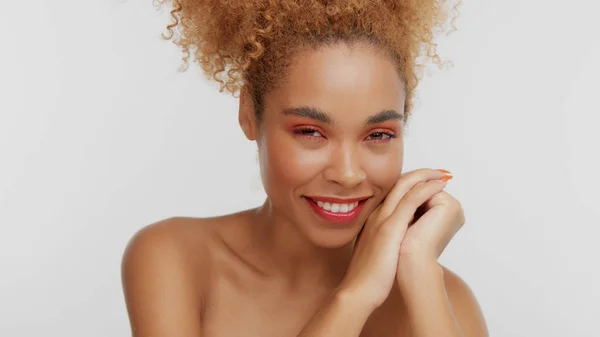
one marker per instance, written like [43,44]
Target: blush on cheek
[287,166]
[384,170]
[297,166]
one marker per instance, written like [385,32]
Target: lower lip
[336,218]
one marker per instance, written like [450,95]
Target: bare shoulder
[164,269]
[465,305]
[176,238]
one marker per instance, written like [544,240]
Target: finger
[396,225]
[420,211]
[371,220]
[359,235]
[438,228]
[406,183]
[413,199]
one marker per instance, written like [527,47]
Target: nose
[344,167]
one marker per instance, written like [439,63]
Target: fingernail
[446,178]
[444,171]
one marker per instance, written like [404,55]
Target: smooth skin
[280,270]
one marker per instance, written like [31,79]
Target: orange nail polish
[446,178]
[444,171]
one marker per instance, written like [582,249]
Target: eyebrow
[384,116]
[321,116]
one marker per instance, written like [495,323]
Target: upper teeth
[337,208]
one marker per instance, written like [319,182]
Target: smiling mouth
[337,207]
[338,211]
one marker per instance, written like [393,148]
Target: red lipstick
[339,218]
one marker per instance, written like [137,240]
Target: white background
[100,135]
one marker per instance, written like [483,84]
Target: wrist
[413,271]
[361,305]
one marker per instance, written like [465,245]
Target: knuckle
[462,217]
[455,204]
[414,197]
[455,207]
[410,195]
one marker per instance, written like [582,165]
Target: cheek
[285,163]
[383,170]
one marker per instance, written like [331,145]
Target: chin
[332,238]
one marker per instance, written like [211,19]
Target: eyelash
[304,132]
[390,135]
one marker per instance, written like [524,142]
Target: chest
[234,312]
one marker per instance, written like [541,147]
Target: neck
[290,253]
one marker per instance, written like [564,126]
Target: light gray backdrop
[100,135]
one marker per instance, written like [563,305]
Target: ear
[246,114]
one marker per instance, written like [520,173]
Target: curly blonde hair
[248,43]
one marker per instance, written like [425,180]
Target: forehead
[355,80]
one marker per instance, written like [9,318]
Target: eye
[308,132]
[381,136]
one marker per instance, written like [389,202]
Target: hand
[374,264]
[437,221]
[442,217]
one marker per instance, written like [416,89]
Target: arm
[370,276]
[465,306]
[342,315]
[162,299]
[441,304]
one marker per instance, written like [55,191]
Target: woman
[325,92]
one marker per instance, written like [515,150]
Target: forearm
[429,309]
[342,315]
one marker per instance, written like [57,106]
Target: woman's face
[331,140]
